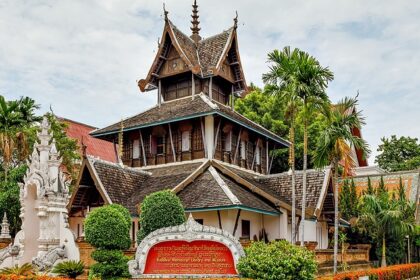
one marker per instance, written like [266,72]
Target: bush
[106,228]
[72,269]
[277,260]
[123,211]
[23,270]
[403,271]
[31,277]
[111,264]
[158,210]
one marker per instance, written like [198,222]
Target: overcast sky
[84,57]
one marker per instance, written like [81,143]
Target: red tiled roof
[94,147]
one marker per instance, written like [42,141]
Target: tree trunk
[305,166]
[335,185]
[292,166]
[383,262]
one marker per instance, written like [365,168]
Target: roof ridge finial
[165,12]
[194,28]
[235,20]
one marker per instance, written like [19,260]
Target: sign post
[187,250]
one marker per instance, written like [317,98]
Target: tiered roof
[226,186]
[182,109]
[204,57]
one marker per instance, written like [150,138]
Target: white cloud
[84,57]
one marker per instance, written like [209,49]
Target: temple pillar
[209,135]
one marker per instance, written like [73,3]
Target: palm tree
[334,147]
[311,81]
[383,217]
[16,116]
[281,84]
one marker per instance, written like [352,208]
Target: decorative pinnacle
[235,20]
[194,28]
[165,12]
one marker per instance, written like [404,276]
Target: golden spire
[194,28]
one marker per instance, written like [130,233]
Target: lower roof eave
[229,207]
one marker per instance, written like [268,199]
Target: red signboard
[196,257]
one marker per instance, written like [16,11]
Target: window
[228,142]
[185,142]
[136,148]
[246,228]
[243,149]
[160,145]
[258,155]
[198,139]
[200,221]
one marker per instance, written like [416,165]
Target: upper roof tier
[183,109]
[203,57]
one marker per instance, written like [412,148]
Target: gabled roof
[181,109]
[205,185]
[204,58]
[209,189]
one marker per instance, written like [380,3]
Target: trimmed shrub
[23,270]
[72,269]
[106,228]
[112,264]
[277,260]
[394,272]
[123,211]
[158,210]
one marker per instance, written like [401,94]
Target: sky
[83,58]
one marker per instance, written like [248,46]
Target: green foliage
[277,260]
[68,148]
[370,190]
[111,264]
[397,154]
[23,270]
[387,221]
[106,228]
[158,210]
[345,204]
[71,269]
[123,211]
[382,190]
[271,111]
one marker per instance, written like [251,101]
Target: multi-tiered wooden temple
[194,143]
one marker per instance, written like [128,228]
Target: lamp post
[408,249]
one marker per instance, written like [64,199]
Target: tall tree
[334,146]
[281,79]
[17,117]
[311,81]
[369,187]
[397,154]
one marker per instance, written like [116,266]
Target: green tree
[158,210]
[370,189]
[282,85]
[16,119]
[106,229]
[354,199]
[382,190]
[386,219]
[344,201]
[334,146]
[397,154]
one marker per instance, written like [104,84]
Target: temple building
[217,162]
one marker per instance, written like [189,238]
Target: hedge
[30,277]
[394,272]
